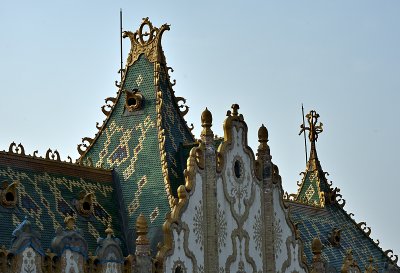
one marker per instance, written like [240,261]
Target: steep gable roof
[46,190]
[143,135]
[318,212]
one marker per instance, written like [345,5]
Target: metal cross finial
[314,128]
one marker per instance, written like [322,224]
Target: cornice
[40,164]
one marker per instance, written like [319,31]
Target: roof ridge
[50,156]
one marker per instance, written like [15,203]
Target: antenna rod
[120,24]
[304,132]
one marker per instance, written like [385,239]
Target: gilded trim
[151,47]
[178,207]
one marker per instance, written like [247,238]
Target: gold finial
[69,222]
[206,118]
[147,40]
[263,134]
[263,139]
[206,123]
[313,128]
[316,246]
[181,192]
[109,231]
[141,230]
[235,107]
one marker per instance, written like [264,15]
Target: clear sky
[59,60]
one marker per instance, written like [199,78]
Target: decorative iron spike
[11,148]
[105,112]
[79,148]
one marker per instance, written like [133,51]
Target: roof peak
[314,185]
[146,40]
[314,129]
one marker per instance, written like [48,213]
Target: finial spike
[314,130]
[206,123]
[235,107]
[141,230]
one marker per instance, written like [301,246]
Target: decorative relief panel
[188,235]
[71,262]
[178,256]
[286,247]
[30,261]
[240,195]
[225,248]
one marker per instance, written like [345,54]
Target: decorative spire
[206,123]
[314,130]
[147,40]
[314,186]
[263,139]
[109,231]
[371,268]
[316,246]
[235,108]
[69,222]
[349,264]
[318,265]
[141,230]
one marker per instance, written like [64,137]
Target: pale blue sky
[58,61]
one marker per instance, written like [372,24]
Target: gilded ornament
[50,155]
[141,230]
[84,204]
[316,246]
[206,123]
[8,194]
[16,149]
[147,42]
[133,100]
[69,222]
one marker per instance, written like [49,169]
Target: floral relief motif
[200,269]
[112,267]
[277,236]
[198,224]
[71,262]
[241,267]
[239,191]
[28,261]
[179,267]
[221,228]
[258,231]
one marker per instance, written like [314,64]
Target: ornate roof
[46,190]
[318,212]
[143,136]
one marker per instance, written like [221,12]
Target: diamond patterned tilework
[314,222]
[46,198]
[311,187]
[129,144]
[176,131]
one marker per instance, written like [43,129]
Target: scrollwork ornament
[147,42]
[363,227]
[16,149]
[86,142]
[394,258]
[53,155]
[98,126]
[183,108]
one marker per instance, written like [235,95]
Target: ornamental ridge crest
[146,40]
